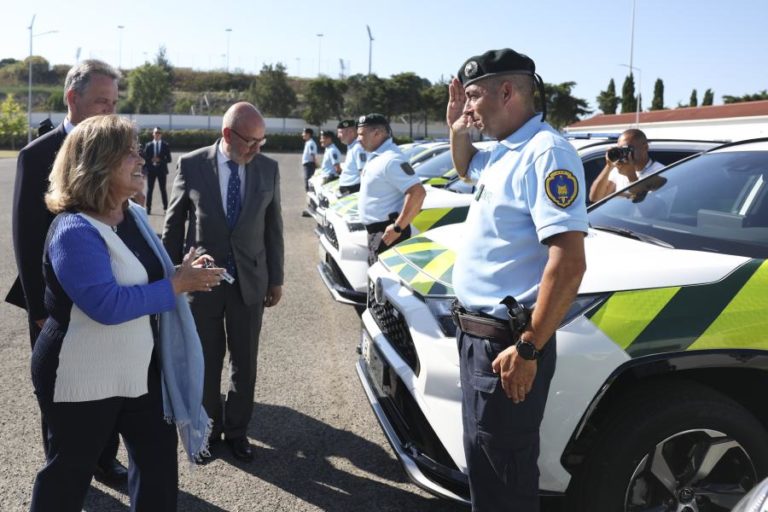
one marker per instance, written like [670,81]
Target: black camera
[620,153]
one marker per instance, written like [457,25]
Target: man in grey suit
[231,194]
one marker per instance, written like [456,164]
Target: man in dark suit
[233,194]
[157,156]
[90,89]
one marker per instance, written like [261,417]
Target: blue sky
[700,44]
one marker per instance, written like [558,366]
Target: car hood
[424,263]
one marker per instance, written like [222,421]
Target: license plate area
[378,369]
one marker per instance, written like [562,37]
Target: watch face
[526,350]
[398,229]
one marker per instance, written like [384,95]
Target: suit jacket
[165,158]
[256,239]
[31,220]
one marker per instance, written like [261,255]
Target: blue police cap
[494,63]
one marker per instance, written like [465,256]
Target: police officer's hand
[390,236]
[516,374]
[454,113]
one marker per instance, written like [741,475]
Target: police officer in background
[390,192]
[524,240]
[308,157]
[331,164]
[349,181]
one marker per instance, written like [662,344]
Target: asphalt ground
[317,443]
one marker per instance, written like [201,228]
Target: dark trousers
[309,170]
[225,322]
[110,448]
[375,233]
[501,438]
[160,177]
[78,433]
[351,189]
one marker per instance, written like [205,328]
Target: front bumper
[415,444]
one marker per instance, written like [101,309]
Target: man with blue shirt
[349,181]
[524,242]
[390,192]
[309,156]
[331,164]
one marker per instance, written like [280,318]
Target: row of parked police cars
[657,403]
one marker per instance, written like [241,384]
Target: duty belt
[379,227]
[483,326]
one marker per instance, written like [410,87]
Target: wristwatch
[527,350]
[396,228]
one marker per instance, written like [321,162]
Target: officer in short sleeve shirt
[354,161]
[390,192]
[331,164]
[524,238]
[308,155]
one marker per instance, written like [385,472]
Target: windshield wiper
[635,235]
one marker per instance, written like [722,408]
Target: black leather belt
[379,227]
[483,326]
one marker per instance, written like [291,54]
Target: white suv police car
[343,244]
[658,401]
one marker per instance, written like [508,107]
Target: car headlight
[441,310]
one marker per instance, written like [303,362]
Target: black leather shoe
[113,473]
[241,449]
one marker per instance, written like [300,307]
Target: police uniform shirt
[383,183]
[310,150]
[531,188]
[353,164]
[331,157]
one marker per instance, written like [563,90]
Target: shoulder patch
[562,187]
[362,157]
[335,156]
[407,169]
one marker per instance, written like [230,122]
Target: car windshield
[435,166]
[717,202]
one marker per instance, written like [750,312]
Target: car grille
[330,234]
[393,326]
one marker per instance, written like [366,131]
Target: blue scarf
[181,358]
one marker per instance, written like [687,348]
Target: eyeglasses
[250,142]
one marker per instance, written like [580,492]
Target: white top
[224,172]
[622,181]
[99,361]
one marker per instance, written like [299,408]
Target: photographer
[625,163]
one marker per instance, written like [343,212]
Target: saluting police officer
[390,192]
[331,164]
[349,181]
[524,240]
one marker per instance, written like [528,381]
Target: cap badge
[470,69]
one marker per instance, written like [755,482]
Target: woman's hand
[193,276]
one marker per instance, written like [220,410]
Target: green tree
[562,107]
[405,90]
[271,93]
[366,94]
[628,98]
[13,122]
[324,99]
[694,101]
[149,89]
[435,98]
[709,98]
[762,95]
[607,101]
[658,95]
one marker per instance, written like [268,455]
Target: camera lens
[614,154]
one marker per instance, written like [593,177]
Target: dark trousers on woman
[77,434]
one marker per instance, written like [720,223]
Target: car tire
[667,433]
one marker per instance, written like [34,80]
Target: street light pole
[370,48]
[120,46]
[228,31]
[319,52]
[639,85]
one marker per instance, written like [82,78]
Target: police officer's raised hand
[516,374]
[457,121]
